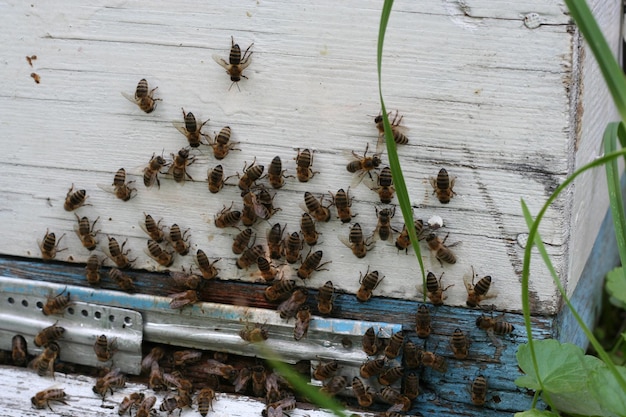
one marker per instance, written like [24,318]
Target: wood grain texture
[482,94]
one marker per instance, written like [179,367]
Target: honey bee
[105,348]
[410,388]
[478,390]
[436,362]
[280,289]
[155,381]
[124,281]
[303,318]
[190,130]
[121,189]
[236,63]
[85,232]
[275,396]
[254,334]
[390,375]
[266,199]
[250,175]
[259,378]
[145,408]
[325,298]
[384,186]
[252,209]
[289,307]
[44,363]
[282,405]
[216,179]
[435,290]
[304,162]
[293,245]
[312,263]
[179,240]
[180,162]
[363,395]
[356,242]
[143,98]
[207,268]
[442,186]
[186,357]
[422,322]
[371,343]
[363,165]
[497,325]
[250,256]
[175,380]
[267,271]
[242,240]
[222,144]
[205,401]
[152,170]
[74,200]
[396,130]
[43,398]
[215,367]
[343,202]
[152,228]
[19,351]
[118,255]
[169,404]
[369,283]
[372,368]
[395,344]
[307,227]
[242,379]
[49,334]
[477,293]
[133,400]
[404,241]
[227,217]
[56,304]
[50,246]
[384,230]
[411,355]
[274,237]
[158,254]
[317,210]
[442,252]
[275,173]
[400,402]
[155,355]
[459,343]
[182,299]
[335,385]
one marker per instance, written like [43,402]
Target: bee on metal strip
[325,298]
[397,130]
[182,299]
[303,318]
[363,394]
[19,351]
[442,252]
[372,368]
[423,322]
[363,165]
[74,199]
[326,370]
[443,186]
[236,62]
[369,283]
[85,232]
[105,348]
[143,97]
[390,375]
[43,398]
[312,263]
[207,268]
[49,334]
[152,170]
[304,162]
[56,304]
[477,293]
[254,334]
[191,130]
[124,281]
[371,343]
[288,308]
[395,345]
[335,385]
[50,246]
[343,202]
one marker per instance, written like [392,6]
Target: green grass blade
[611,133]
[611,70]
[392,153]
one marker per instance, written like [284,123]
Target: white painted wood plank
[488,102]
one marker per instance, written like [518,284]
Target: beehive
[506,99]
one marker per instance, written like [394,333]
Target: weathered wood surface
[472,82]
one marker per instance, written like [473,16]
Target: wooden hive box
[507,98]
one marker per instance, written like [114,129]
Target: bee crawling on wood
[357,242]
[280,289]
[191,130]
[43,398]
[152,228]
[207,268]
[132,401]
[180,162]
[478,390]
[315,207]
[459,343]
[304,162]
[227,217]
[221,144]
[50,246]
[179,240]
[236,62]
[363,165]
[276,174]
[113,379]
[85,232]
[152,170]
[476,293]
[423,322]
[434,289]
[124,281]
[383,230]
[216,179]
[369,283]
[312,263]
[143,97]
[290,307]
[325,297]
[403,241]
[494,325]
[397,130]
[442,252]
[74,200]
[156,252]
[443,186]
[120,187]
[384,186]
[343,202]
[118,255]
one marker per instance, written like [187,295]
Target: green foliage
[616,287]
[536,413]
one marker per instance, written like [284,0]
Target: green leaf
[560,366]
[536,413]
[616,287]
[607,391]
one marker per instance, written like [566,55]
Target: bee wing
[130,97]
[244,65]
[345,240]
[358,177]
[468,277]
[371,183]
[221,61]
[106,187]
[180,126]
